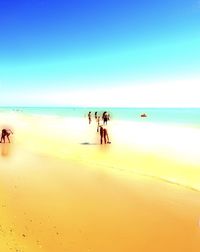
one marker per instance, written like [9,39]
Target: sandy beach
[63,191]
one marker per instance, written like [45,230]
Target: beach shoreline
[61,194]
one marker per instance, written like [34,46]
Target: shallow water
[182,116]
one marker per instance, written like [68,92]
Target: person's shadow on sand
[5,149]
[87,143]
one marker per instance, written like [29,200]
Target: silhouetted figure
[103,114]
[105,117]
[104,135]
[89,117]
[98,123]
[5,133]
[95,115]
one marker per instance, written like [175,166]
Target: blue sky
[100,53]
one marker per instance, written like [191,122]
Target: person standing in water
[89,117]
[105,117]
[98,123]
[95,115]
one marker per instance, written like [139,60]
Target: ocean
[181,116]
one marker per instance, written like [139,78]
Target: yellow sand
[61,191]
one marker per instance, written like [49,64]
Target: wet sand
[62,191]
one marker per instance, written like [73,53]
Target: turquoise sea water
[181,116]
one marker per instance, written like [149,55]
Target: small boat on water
[143,115]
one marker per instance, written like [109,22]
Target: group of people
[101,127]
[105,117]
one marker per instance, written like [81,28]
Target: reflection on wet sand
[5,149]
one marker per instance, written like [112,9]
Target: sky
[117,53]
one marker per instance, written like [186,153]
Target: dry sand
[61,191]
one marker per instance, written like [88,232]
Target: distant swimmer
[5,133]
